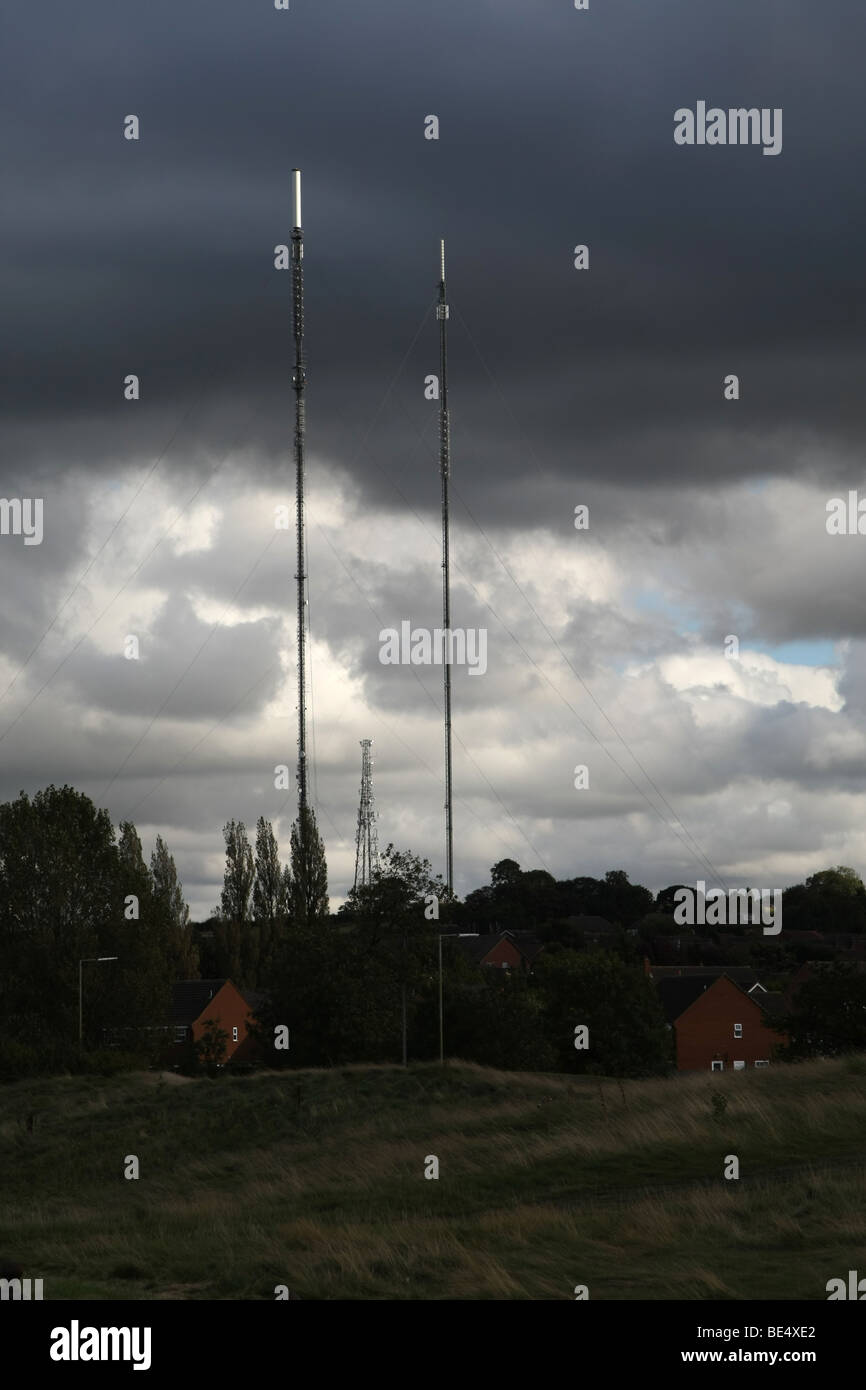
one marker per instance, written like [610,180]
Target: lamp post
[441,1013]
[88,960]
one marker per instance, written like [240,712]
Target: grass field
[315,1180]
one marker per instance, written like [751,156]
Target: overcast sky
[604,387]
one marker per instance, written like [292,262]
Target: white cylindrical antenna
[442,246]
[296,200]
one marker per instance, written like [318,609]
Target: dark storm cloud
[156,257]
[603,388]
[228,661]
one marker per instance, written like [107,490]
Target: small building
[193,1002]
[719,1025]
[504,950]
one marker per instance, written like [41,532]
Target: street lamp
[88,960]
[441,1014]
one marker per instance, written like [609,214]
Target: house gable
[706,1030]
[502,953]
[194,1002]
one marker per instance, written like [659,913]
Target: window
[180,1033]
[738,1030]
[717,1066]
[234,1035]
[739,1066]
[762,1064]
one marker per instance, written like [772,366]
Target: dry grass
[315,1179]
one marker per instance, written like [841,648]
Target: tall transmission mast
[299,382]
[445,470]
[367,844]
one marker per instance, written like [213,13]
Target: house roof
[678,992]
[526,942]
[476,948]
[742,975]
[190,998]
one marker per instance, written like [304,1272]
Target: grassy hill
[315,1179]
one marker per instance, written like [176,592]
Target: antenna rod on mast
[445,470]
[299,382]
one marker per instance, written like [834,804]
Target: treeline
[359,985]
[365,987]
[72,890]
[532,899]
[832,900]
[260,900]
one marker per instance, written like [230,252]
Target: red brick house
[508,950]
[717,1024]
[193,1002]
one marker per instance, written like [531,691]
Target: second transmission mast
[445,469]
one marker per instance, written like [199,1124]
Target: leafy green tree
[515,901]
[828,1014]
[140,980]
[130,852]
[579,897]
[269,887]
[237,935]
[69,892]
[495,1018]
[211,1046]
[841,881]
[660,924]
[270,901]
[206,937]
[401,889]
[394,925]
[505,874]
[168,895]
[340,992]
[666,898]
[239,874]
[622,901]
[309,877]
[628,1034]
[831,900]
[336,999]
[478,911]
[166,886]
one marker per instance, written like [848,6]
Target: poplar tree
[239,874]
[168,894]
[270,903]
[238,935]
[309,872]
